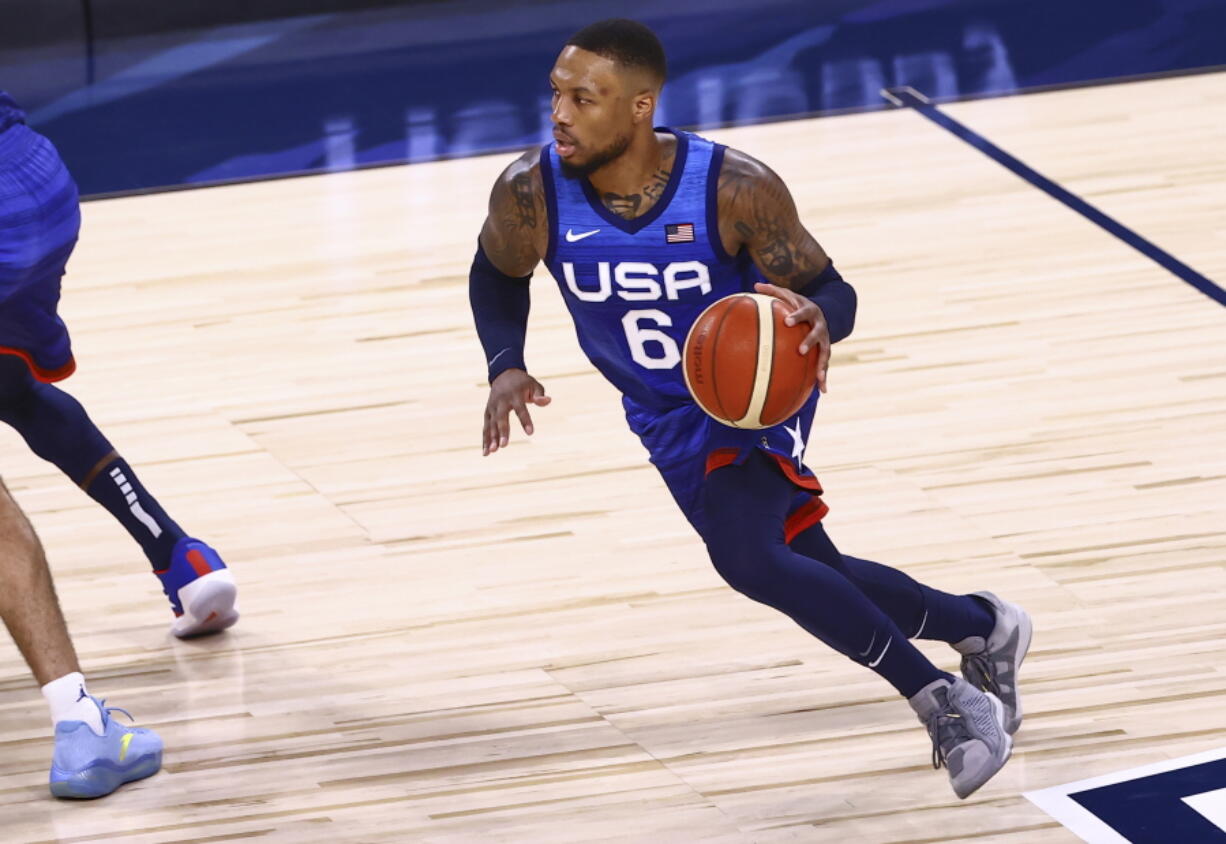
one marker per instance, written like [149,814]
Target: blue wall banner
[139,95]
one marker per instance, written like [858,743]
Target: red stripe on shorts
[805,517]
[44,375]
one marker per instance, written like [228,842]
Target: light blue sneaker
[87,765]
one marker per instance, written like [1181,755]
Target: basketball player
[94,755]
[39,222]
[643,228]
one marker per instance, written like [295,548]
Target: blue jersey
[9,112]
[634,287]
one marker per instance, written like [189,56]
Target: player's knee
[17,535]
[16,386]
[730,566]
[736,541]
[54,424]
[742,555]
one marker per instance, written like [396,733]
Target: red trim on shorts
[786,466]
[47,376]
[722,457]
[805,517]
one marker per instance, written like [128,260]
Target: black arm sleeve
[500,309]
[836,298]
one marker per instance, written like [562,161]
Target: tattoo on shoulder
[525,200]
[511,234]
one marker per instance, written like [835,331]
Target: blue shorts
[40,218]
[685,444]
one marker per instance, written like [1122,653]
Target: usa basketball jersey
[634,288]
[9,112]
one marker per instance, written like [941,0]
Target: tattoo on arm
[525,202]
[514,230]
[764,217]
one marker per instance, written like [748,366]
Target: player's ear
[644,106]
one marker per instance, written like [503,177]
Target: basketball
[742,364]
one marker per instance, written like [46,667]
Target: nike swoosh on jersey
[571,237]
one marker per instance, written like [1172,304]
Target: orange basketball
[741,362]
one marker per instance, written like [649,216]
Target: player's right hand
[513,389]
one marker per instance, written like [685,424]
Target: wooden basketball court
[437,646]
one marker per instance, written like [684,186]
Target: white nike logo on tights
[877,661]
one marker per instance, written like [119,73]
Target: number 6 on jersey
[638,338]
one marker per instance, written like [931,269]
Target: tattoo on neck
[659,180]
[626,207]
[631,205]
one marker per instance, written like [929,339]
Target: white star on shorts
[798,442]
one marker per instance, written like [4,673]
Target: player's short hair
[626,42]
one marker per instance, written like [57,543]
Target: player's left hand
[804,309]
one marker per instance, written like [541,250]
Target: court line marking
[908,97]
[1057,800]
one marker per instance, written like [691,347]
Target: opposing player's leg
[992,635]
[93,754]
[746,505]
[200,588]
[28,602]
[39,221]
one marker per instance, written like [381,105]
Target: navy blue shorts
[685,445]
[40,218]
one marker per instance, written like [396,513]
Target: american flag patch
[679,233]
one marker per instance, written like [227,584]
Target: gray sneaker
[992,665]
[967,728]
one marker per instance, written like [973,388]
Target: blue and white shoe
[200,588]
[87,765]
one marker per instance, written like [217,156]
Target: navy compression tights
[862,609]
[57,429]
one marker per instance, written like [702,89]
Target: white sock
[69,701]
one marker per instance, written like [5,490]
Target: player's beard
[599,159]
